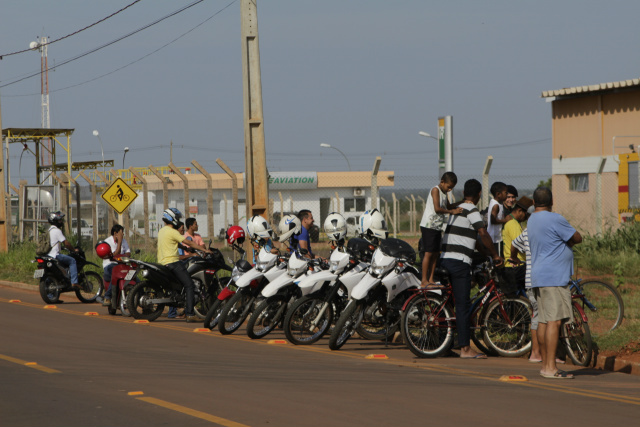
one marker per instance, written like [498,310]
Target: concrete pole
[281,204]
[415,215]
[4,242]
[207,175]
[145,205]
[375,203]
[599,203]
[22,197]
[165,180]
[94,207]
[256,176]
[110,212]
[226,210]
[122,219]
[485,182]
[234,194]
[185,187]
[337,202]
[395,215]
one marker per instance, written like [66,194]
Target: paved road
[60,367]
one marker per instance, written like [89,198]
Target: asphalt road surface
[63,367]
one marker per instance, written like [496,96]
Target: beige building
[595,136]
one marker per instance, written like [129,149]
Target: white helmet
[335,226]
[290,225]
[259,228]
[372,224]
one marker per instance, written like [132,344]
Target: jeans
[460,273]
[70,263]
[107,279]
[179,270]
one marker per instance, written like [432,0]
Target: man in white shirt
[119,248]
[56,239]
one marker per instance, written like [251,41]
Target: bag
[511,279]
[44,243]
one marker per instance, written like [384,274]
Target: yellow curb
[14,300]
[513,378]
[91,313]
[277,342]
[141,321]
[30,363]
[50,306]
[201,330]
[376,356]
[135,393]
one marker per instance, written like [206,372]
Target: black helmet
[56,218]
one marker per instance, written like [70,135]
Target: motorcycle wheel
[49,290]
[373,325]
[138,301]
[298,326]
[235,313]
[213,315]
[347,324]
[267,316]
[91,286]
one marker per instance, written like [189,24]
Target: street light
[125,155]
[427,135]
[96,133]
[343,155]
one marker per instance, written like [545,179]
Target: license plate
[38,273]
[130,275]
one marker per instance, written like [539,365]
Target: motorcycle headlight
[334,266]
[292,271]
[145,273]
[377,270]
[235,274]
[261,265]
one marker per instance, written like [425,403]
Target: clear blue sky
[363,75]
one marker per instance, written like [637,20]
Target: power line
[106,44]
[75,32]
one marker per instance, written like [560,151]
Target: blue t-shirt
[551,257]
[303,236]
[182,252]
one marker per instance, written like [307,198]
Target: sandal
[559,375]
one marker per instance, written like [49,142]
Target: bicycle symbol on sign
[119,196]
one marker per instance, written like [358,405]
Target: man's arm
[575,239]
[194,245]
[494,216]
[488,243]
[435,197]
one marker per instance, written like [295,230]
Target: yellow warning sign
[119,195]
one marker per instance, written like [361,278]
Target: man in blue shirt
[302,241]
[550,240]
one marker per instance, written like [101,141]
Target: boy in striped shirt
[458,245]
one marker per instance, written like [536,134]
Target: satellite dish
[33,45]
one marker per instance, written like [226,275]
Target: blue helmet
[172,216]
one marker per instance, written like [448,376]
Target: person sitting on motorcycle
[119,248]
[56,238]
[168,240]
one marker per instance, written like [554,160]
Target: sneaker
[106,302]
[192,318]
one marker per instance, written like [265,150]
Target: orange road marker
[50,306]
[141,321]
[14,300]
[201,330]
[277,342]
[376,356]
[91,313]
[513,378]
[135,393]
[30,364]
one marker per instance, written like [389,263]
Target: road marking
[33,365]
[50,306]
[201,330]
[277,342]
[376,356]
[192,412]
[91,313]
[513,378]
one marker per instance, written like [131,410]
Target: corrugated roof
[591,88]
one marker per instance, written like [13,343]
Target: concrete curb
[605,363]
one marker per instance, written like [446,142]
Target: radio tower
[42,45]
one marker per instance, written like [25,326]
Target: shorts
[431,240]
[534,305]
[554,303]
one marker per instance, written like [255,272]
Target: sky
[362,75]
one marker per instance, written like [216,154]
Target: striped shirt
[459,240]
[521,243]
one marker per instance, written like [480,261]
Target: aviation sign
[119,195]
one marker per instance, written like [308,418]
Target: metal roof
[591,88]
[30,133]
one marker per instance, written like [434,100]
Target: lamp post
[125,155]
[97,134]
[323,145]
[428,135]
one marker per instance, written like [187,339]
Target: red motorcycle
[123,280]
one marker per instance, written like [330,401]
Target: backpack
[43,246]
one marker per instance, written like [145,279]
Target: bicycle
[575,334]
[428,319]
[606,308]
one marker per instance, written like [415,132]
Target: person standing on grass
[458,246]
[551,238]
[432,224]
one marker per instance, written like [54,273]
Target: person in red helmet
[119,248]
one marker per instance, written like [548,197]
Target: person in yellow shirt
[514,227]
[168,239]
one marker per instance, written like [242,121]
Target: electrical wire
[75,32]
[106,44]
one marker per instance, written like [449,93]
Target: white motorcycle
[325,293]
[374,308]
[279,294]
[268,267]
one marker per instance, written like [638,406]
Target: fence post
[165,189]
[603,160]
[94,207]
[290,203]
[64,195]
[226,210]
[424,203]
[185,185]
[395,215]
[485,182]
[375,203]
[145,206]
[110,212]
[10,211]
[21,204]
[337,202]
[415,215]
[122,218]
[234,192]
[207,175]
[270,213]
[281,204]
[70,180]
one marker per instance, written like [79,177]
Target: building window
[355,205]
[579,182]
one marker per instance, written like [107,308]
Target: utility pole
[255,172]
[4,247]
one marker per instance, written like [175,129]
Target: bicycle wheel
[507,326]
[576,336]
[427,327]
[603,305]
[477,332]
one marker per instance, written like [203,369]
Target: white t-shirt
[431,219]
[123,249]
[56,237]
[495,230]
